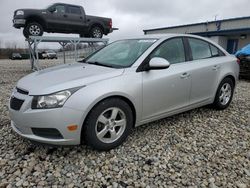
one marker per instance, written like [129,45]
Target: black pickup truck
[61,18]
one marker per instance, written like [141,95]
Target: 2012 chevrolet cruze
[128,83]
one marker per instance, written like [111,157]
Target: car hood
[66,76]
[26,10]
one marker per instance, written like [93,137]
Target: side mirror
[158,63]
[52,9]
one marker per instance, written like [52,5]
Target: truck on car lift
[61,18]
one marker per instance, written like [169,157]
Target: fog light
[72,127]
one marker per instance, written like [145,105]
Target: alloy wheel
[225,93]
[34,30]
[97,33]
[110,125]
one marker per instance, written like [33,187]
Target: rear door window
[200,49]
[215,51]
[74,10]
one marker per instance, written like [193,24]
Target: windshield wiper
[82,61]
[100,64]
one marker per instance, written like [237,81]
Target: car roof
[66,4]
[165,36]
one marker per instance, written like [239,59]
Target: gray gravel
[199,148]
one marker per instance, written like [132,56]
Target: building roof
[200,23]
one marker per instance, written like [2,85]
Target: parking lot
[199,148]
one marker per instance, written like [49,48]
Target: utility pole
[215,17]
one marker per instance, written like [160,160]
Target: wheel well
[36,19]
[228,76]
[97,25]
[232,78]
[122,98]
[119,97]
[131,106]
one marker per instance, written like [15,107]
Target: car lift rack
[33,42]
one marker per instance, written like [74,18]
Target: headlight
[20,12]
[55,100]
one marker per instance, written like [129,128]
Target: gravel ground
[199,148]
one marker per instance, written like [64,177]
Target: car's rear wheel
[33,29]
[96,32]
[108,124]
[224,94]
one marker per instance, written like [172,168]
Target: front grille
[50,133]
[22,91]
[16,103]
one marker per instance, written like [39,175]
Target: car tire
[108,124]
[96,32]
[33,29]
[224,94]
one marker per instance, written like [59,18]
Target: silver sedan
[99,100]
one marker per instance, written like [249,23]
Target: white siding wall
[223,42]
[244,42]
[215,39]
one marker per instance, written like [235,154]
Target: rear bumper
[114,29]
[18,23]
[109,30]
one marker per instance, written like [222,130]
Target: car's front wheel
[33,29]
[224,94]
[108,124]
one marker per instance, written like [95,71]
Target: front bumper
[41,139]
[25,120]
[18,23]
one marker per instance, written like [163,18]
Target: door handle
[80,17]
[65,15]
[185,75]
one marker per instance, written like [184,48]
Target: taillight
[110,23]
[238,60]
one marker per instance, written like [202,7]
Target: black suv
[61,18]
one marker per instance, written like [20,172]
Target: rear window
[74,10]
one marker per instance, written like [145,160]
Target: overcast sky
[130,16]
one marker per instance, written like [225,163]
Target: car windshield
[120,54]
